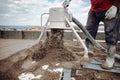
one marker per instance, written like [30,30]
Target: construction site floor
[17,62]
[11,46]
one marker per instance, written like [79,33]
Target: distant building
[35,28]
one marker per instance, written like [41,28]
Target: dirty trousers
[94,18]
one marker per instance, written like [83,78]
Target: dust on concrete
[51,52]
[50,76]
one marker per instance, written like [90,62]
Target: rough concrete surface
[48,61]
[11,46]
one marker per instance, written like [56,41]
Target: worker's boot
[90,47]
[109,63]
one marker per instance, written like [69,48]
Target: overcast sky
[28,12]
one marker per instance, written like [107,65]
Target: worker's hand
[111,13]
[66,3]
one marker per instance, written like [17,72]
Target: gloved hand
[66,3]
[111,13]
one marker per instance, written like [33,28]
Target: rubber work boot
[110,60]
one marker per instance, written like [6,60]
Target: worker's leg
[111,41]
[118,23]
[92,27]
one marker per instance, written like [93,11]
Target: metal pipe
[42,32]
[44,27]
[80,40]
[42,16]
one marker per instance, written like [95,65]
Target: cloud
[28,12]
[80,9]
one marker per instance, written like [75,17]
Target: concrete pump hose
[93,41]
[87,34]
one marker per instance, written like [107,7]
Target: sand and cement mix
[47,59]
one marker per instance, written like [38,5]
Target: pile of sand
[50,52]
[53,48]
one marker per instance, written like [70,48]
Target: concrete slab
[11,46]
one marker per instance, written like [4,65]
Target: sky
[28,12]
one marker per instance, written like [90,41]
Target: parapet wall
[35,34]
